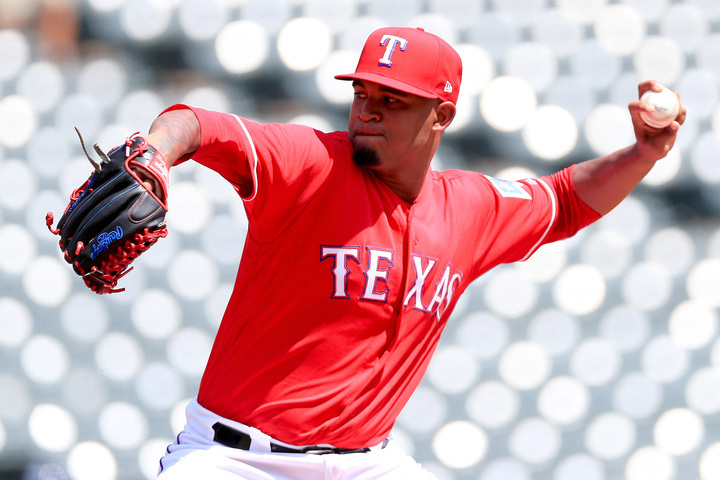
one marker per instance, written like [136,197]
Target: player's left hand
[654,143]
[116,215]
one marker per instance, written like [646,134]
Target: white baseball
[666,107]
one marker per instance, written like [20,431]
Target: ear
[445,113]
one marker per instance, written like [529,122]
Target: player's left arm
[602,183]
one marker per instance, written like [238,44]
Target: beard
[365,157]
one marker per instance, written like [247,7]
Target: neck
[407,186]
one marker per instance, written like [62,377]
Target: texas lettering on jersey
[421,295]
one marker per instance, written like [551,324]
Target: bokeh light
[702,280]
[619,29]
[426,411]
[710,462]
[460,444]
[650,463]
[660,58]
[532,62]
[493,404]
[202,20]
[647,286]
[580,466]
[304,43]
[453,371]
[92,461]
[636,396]
[693,325]
[564,400]
[626,327]
[555,330]
[579,290]
[550,143]
[44,359]
[608,128]
[160,12]
[702,392]
[663,360]
[511,294]
[595,361]
[535,441]
[679,431]
[18,121]
[122,425]
[42,84]
[242,60]
[118,356]
[507,103]
[610,436]
[15,51]
[156,314]
[503,468]
[16,322]
[52,428]
[524,365]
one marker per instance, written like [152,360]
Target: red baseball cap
[410,60]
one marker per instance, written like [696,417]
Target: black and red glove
[116,215]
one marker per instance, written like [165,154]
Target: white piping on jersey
[552,219]
[255,159]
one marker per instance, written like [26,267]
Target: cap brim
[387,82]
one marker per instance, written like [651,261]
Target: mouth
[366,134]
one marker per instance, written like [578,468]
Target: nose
[367,112]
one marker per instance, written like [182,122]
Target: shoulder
[466,182]
[290,132]
[459,180]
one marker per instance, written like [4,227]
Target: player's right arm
[604,182]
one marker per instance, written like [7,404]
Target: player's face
[390,128]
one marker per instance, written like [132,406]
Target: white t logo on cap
[390,42]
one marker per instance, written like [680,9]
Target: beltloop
[230,437]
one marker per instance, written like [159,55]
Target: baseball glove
[116,215]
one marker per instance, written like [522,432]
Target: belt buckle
[317,450]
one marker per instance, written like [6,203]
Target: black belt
[233,438]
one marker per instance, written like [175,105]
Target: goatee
[365,157]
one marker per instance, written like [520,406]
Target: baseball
[666,107]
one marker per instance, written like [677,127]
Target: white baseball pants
[195,456]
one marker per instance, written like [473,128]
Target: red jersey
[343,288]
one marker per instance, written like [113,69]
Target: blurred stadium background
[597,359]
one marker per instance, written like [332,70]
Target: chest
[371,247]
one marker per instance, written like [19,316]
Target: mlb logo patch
[506,188]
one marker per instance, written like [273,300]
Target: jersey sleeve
[573,213]
[285,164]
[518,217]
[223,147]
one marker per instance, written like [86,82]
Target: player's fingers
[682,112]
[650,84]
[151,186]
[148,181]
[636,108]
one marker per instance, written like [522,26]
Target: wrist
[147,164]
